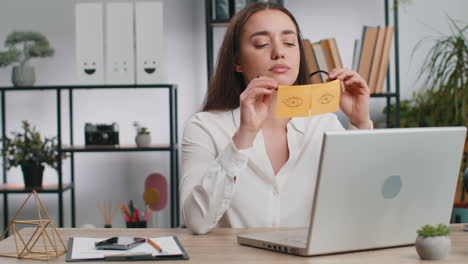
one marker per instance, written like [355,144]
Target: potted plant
[143,137]
[8,57]
[433,242]
[32,44]
[445,75]
[29,151]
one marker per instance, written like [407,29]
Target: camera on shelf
[101,134]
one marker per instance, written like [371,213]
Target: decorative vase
[143,140]
[433,248]
[23,76]
[32,175]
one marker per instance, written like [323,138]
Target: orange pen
[152,243]
[125,210]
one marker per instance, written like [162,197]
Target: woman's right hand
[255,104]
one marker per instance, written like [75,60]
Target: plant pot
[143,140]
[32,175]
[433,248]
[23,76]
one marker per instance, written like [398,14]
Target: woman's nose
[278,51]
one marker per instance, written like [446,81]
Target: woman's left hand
[354,101]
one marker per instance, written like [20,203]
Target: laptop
[375,189]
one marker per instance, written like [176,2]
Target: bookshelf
[61,187]
[388,95]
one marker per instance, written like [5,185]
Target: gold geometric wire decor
[29,249]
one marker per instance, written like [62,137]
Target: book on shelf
[376,58]
[331,51]
[322,55]
[369,37]
[373,68]
[321,60]
[310,61]
[356,54]
[383,66]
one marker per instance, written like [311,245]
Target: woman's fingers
[332,75]
[343,74]
[351,79]
[262,82]
[355,81]
[255,93]
[258,87]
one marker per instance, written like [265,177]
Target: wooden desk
[220,246]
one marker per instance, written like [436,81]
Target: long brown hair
[226,85]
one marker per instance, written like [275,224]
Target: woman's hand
[255,104]
[354,101]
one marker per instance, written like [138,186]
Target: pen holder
[136,224]
[107,226]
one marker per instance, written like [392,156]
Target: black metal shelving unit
[211,23]
[60,188]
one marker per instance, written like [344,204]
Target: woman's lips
[279,68]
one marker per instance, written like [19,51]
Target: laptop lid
[375,188]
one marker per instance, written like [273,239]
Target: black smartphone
[119,243]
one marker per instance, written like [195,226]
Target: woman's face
[269,47]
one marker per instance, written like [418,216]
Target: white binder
[149,42]
[89,43]
[119,44]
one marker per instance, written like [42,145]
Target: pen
[142,216]
[130,206]
[152,243]
[125,210]
[137,215]
[126,218]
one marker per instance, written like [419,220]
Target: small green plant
[8,57]
[27,148]
[31,44]
[140,129]
[438,230]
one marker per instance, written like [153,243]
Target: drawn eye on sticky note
[306,100]
[292,101]
[326,98]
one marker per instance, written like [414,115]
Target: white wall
[111,176]
[120,176]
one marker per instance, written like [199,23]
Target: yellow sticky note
[325,98]
[306,100]
[293,100]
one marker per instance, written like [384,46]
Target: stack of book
[371,55]
[322,55]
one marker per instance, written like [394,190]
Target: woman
[241,166]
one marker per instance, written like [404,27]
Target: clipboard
[184,255]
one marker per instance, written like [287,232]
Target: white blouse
[209,195]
